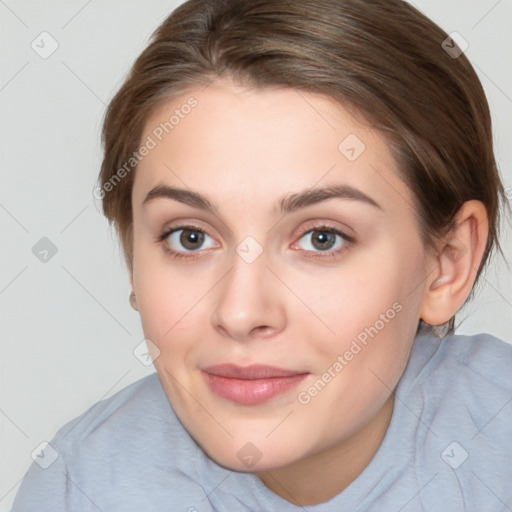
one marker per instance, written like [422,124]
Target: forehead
[250,143]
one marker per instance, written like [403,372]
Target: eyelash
[348,241]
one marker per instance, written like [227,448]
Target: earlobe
[132,298]
[133,301]
[456,265]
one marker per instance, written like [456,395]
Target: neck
[319,477]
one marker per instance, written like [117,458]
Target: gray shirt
[448,448]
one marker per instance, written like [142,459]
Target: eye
[324,239]
[186,239]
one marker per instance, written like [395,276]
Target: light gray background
[67,331]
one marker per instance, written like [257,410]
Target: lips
[251,385]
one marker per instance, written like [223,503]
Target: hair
[382,59]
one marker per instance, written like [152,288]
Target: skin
[245,149]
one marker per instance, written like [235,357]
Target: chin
[250,457]
[247,465]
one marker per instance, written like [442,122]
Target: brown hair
[382,58]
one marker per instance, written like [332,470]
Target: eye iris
[191,239]
[323,239]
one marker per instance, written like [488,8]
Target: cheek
[374,302]
[355,299]
[375,319]
[164,295]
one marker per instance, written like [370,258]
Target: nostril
[262,330]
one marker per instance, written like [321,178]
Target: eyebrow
[287,204]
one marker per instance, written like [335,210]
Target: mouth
[251,385]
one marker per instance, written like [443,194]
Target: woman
[306,194]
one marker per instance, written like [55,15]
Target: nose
[249,303]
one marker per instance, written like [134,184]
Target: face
[278,270]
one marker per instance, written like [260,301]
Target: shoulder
[482,355]
[138,415]
[126,452]
[456,399]
[461,380]
[142,399]
[463,359]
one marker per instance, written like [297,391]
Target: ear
[133,301]
[456,264]
[133,297]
